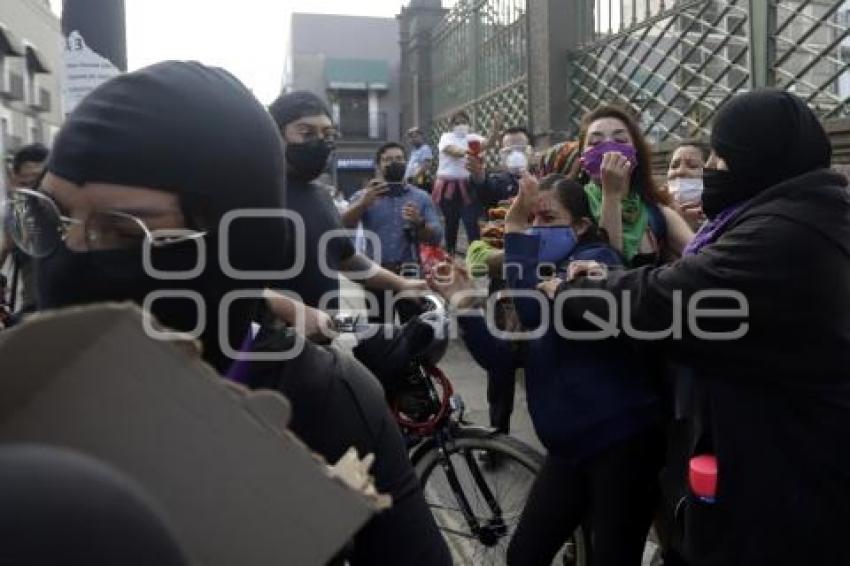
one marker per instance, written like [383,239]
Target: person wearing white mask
[451,190]
[684,180]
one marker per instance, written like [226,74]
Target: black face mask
[394,172]
[67,278]
[308,160]
[723,190]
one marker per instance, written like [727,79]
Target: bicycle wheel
[509,484]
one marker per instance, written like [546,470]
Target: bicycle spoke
[495,497]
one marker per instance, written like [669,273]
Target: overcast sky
[247,37]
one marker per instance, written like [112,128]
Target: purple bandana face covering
[592,158]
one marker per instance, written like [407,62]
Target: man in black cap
[762,296]
[305,124]
[166,159]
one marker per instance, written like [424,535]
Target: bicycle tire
[479,440]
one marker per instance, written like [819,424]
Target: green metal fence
[480,63]
[675,62]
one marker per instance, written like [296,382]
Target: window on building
[353,113]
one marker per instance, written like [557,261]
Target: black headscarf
[768,136]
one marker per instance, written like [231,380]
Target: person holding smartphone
[400,216]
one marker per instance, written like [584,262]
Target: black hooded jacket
[774,405]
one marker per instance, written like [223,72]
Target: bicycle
[476,506]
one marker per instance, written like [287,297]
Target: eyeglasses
[38,227]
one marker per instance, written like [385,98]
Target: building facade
[30,61]
[353,63]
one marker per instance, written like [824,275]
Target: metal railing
[363,127]
[480,48]
[672,62]
[675,62]
[480,65]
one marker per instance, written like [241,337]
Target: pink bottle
[702,477]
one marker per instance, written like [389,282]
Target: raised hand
[616,173]
[524,205]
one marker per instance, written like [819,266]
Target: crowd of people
[747,238]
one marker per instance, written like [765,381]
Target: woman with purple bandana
[762,297]
[616,172]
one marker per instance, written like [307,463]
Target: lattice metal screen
[480,63]
[675,62]
[812,53]
[672,65]
[511,101]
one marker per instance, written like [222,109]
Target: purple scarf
[711,230]
[238,371]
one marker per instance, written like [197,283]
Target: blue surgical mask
[556,242]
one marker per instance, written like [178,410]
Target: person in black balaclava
[755,155]
[182,147]
[771,396]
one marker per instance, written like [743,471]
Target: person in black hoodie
[773,404]
[182,147]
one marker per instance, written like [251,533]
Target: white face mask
[686,190]
[516,162]
[461,130]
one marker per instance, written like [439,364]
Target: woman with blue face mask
[592,402]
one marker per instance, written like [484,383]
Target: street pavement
[470,382]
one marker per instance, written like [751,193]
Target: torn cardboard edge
[88,378]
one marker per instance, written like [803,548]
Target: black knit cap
[187,128]
[297,104]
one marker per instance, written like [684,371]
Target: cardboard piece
[236,486]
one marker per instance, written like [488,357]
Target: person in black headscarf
[161,160]
[770,399]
